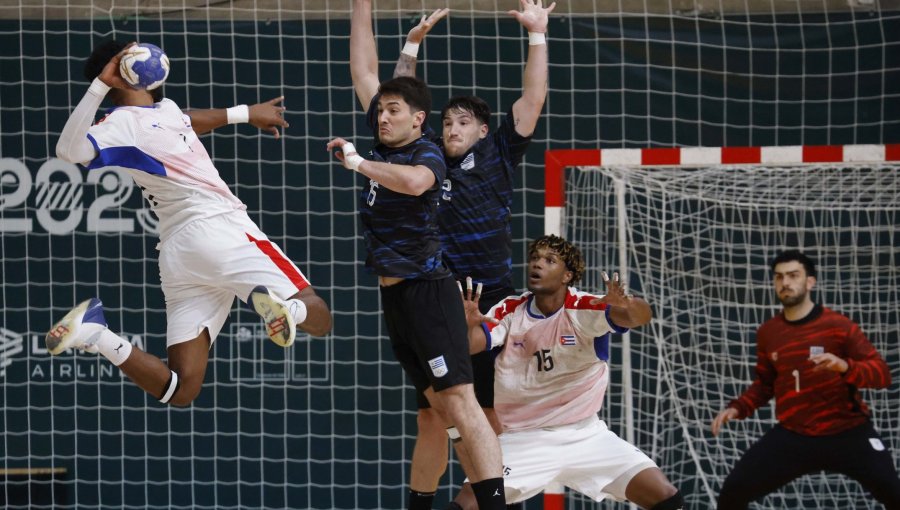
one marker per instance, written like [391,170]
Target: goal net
[696,238]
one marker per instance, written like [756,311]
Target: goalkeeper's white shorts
[584,456]
[203,266]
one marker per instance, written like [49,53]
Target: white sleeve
[73,145]
[594,320]
[496,333]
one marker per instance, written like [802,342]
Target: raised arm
[363,54]
[406,64]
[267,116]
[73,145]
[625,310]
[527,109]
[408,179]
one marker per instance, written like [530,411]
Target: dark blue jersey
[401,230]
[474,211]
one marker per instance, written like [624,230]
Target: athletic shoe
[79,329]
[275,313]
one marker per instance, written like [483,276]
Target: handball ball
[144,66]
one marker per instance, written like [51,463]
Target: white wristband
[238,114]
[536,38]
[351,162]
[98,88]
[411,49]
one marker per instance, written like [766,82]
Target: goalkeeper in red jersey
[813,360]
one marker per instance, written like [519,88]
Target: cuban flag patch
[438,366]
[567,340]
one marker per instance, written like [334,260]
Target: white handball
[144,66]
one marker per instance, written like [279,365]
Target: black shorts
[483,362]
[427,326]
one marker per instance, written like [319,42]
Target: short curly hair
[569,253]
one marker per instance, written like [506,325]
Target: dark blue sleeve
[428,154]
[512,145]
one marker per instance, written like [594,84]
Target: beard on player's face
[790,297]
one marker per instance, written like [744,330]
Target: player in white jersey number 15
[551,374]
[210,250]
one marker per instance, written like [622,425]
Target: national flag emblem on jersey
[438,366]
[567,340]
[469,162]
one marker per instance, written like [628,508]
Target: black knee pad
[675,502]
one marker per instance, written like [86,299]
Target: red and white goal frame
[557,161]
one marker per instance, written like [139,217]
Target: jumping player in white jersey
[210,250]
[550,378]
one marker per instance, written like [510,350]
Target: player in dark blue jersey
[422,306]
[474,211]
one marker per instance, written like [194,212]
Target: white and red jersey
[159,148]
[552,370]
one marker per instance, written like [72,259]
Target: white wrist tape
[238,114]
[536,38]
[351,162]
[411,49]
[98,88]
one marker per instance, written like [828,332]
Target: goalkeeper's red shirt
[807,401]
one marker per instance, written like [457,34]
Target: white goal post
[693,230]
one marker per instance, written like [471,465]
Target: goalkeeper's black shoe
[275,314]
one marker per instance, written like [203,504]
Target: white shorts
[584,456]
[203,266]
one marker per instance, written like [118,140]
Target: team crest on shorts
[438,366]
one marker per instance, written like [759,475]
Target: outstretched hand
[474,317]
[533,16]
[338,143]
[110,73]
[269,116]
[616,293]
[418,32]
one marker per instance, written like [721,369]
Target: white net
[699,244]
[329,424]
[326,424]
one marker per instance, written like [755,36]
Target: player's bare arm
[406,64]
[267,116]
[726,415]
[409,180]
[626,310]
[363,54]
[527,109]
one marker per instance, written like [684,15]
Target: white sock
[298,310]
[115,348]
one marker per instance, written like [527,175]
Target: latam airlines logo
[11,343]
[40,365]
